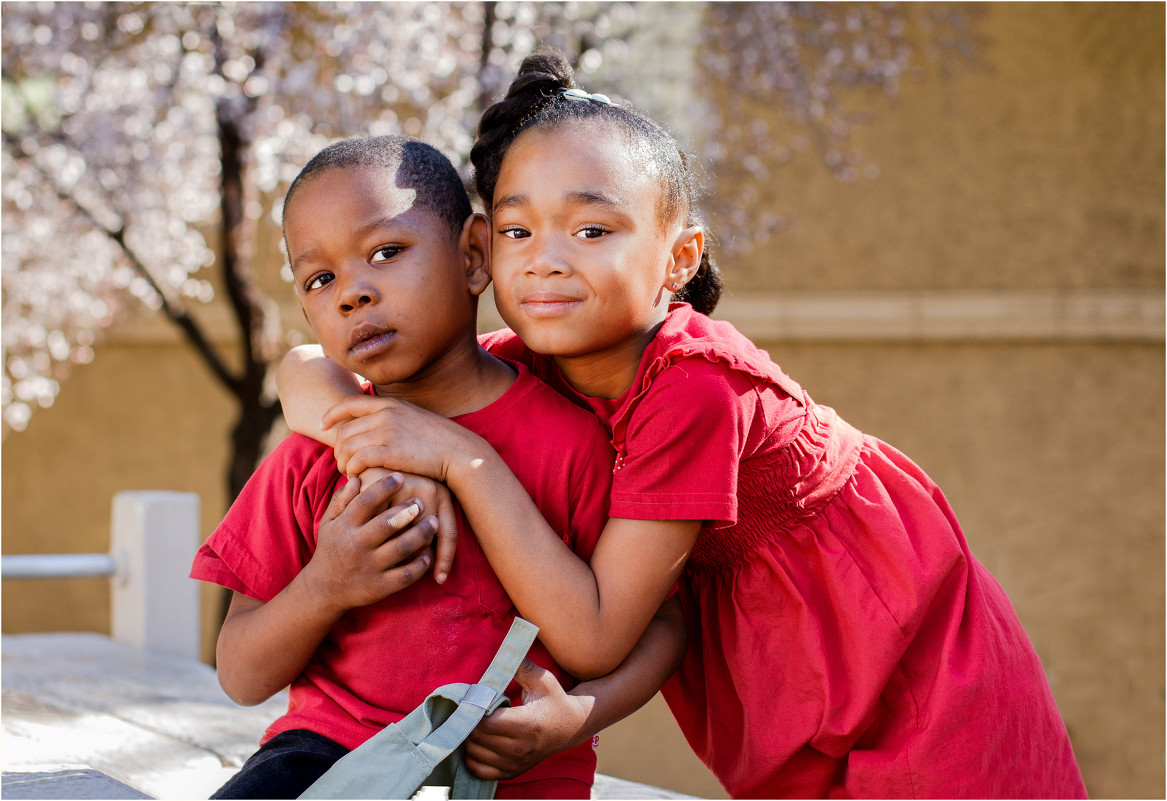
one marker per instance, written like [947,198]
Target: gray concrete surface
[86,717]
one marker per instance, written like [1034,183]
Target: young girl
[843,641]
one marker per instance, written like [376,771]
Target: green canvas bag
[424,749]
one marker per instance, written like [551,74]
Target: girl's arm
[360,558]
[590,616]
[514,739]
[309,384]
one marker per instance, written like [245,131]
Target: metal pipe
[62,565]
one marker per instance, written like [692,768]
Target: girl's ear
[475,246]
[685,258]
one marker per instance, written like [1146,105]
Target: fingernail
[425,560]
[440,578]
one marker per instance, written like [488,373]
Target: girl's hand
[364,551]
[395,434]
[514,739]
[436,499]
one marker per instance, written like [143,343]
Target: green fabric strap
[424,748]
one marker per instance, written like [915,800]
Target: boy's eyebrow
[364,230]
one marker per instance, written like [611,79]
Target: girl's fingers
[485,762]
[495,731]
[376,456]
[447,536]
[482,770]
[355,406]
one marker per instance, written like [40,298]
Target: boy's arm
[514,739]
[360,558]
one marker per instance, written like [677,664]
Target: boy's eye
[317,281]
[386,252]
[591,232]
[514,232]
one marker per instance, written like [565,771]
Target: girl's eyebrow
[578,197]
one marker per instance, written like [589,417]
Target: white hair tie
[580,94]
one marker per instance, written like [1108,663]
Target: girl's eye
[591,232]
[317,281]
[386,252]
[514,232]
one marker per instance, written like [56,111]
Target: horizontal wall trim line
[953,316]
[1101,315]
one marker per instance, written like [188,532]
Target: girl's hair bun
[547,68]
[542,77]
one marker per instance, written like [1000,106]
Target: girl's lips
[547,305]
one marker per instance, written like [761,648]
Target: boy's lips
[548,304]
[369,340]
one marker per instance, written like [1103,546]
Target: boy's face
[387,287]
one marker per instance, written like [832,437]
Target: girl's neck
[469,380]
[608,373]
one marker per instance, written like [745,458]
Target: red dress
[843,641]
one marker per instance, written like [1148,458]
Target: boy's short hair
[419,166]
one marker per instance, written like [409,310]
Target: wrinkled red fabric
[382,660]
[843,640]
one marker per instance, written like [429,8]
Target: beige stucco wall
[1045,171]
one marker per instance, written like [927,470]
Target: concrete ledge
[63,781]
[87,717]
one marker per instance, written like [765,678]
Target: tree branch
[173,310]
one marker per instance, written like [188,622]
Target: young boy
[331,594]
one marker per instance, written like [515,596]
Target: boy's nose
[357,291]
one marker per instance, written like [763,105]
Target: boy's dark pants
[283,767]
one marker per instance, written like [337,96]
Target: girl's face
[579,255]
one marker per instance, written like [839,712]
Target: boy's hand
[514,739]
[435,498]
[364,551]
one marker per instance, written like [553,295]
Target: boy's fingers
[398,517]
[396,548]
[398,578]
[341,499]
[372,501]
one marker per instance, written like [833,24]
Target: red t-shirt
[380,661]
[843,640]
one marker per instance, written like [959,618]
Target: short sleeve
[590,487]
[683,444]
[269,533]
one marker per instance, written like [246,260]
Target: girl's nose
[357,291]
[548,259]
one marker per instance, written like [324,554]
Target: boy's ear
[686,256]
[475,247]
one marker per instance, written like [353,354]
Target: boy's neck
[466,381]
